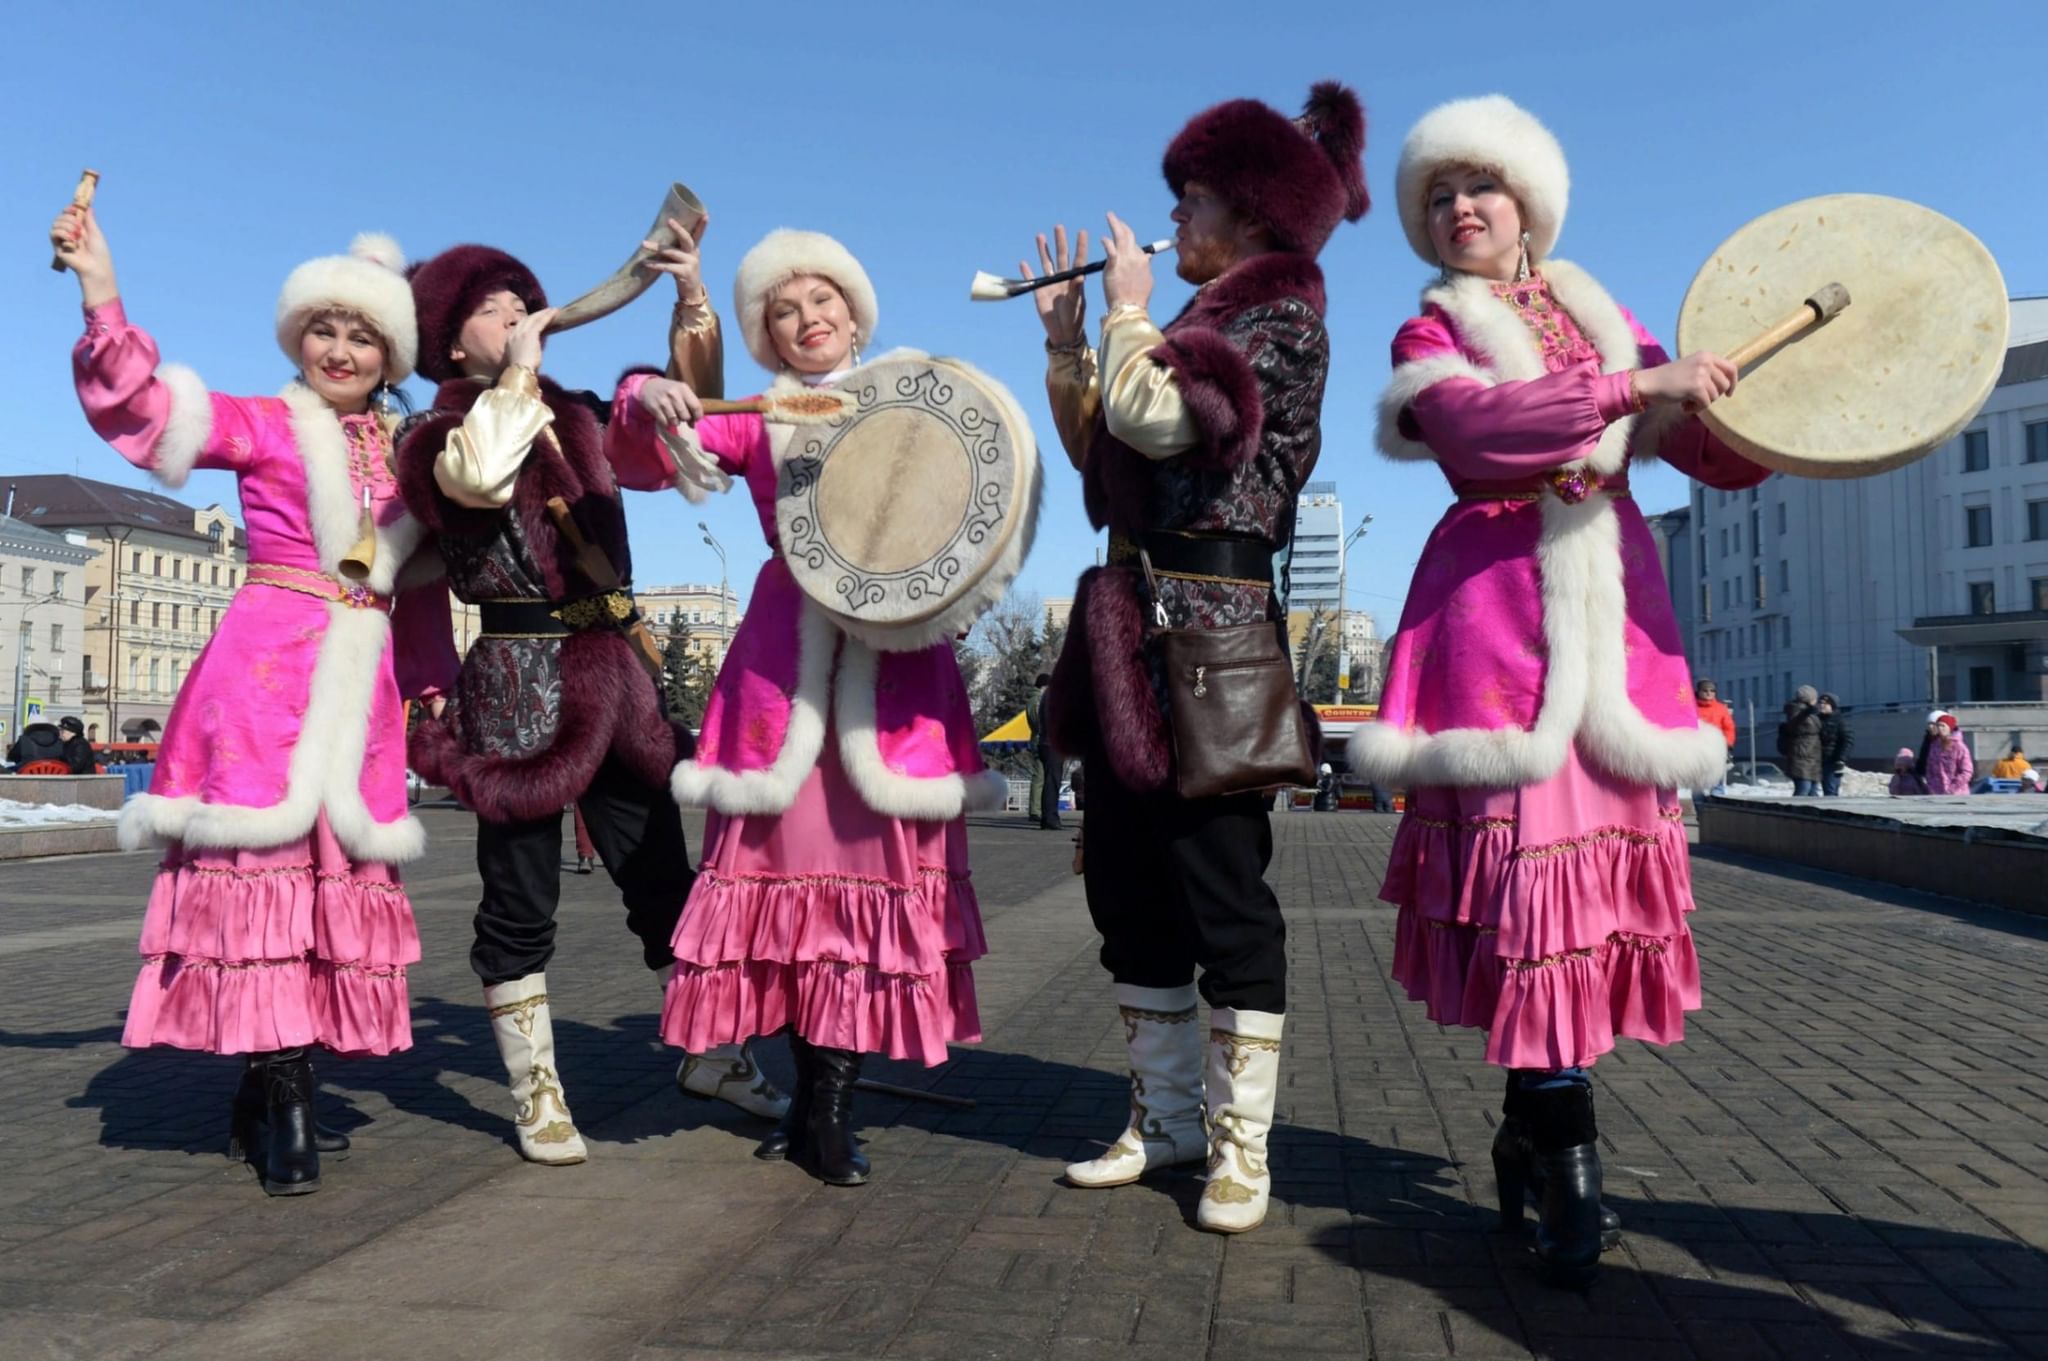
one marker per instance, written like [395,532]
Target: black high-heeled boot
[1566,1152]
[792,1132]
[833,1152]
[1518,1177]
[291,1164]
[245,1119]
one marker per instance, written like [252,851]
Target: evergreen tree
[687,676]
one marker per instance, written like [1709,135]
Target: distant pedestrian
[1836,740]
[1906,779]
[1799,741]
[1944,763]
[2012,766]
[1045,780]
[1714,714]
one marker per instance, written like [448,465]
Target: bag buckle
[1201,687]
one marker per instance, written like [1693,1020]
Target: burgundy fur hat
[1299,176]
[447,288]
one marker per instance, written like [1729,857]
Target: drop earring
[1522,270]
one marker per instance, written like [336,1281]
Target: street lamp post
[21,659]
[1343,635]
[118,536]
[724,634]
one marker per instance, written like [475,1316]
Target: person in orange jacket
[1714,712]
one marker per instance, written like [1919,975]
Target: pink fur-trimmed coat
[1536,624]
[902,721]
[294,708]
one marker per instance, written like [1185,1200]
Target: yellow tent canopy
[1017,729]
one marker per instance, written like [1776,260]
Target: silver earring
[1522,270]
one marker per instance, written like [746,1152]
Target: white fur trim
[1410,381]
[1507,352]
[324,772]
[370,281]
[332,507]
[186,430]
[696,785]
[995,582]
[1494,133]
[1585,689]
[782,255]
[928,798]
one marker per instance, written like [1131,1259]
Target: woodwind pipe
[990,288]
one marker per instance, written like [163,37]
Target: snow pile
[1866,784]
[15,814]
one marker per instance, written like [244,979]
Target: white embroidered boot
[1243,1082]
[1166,1088]
[526,1041]
[729,1073]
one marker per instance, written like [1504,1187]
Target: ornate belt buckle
[356,596]
[1573,485]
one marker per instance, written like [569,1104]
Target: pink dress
[277,919]
[834,894]
[1538,706]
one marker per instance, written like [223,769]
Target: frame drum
[909,518]
[1893,377]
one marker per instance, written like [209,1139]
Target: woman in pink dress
[277,920]
[834,898]
[1538,706]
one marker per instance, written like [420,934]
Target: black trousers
[1175,884]
[1050,768]
[638,832]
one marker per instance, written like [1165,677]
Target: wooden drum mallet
[81,197]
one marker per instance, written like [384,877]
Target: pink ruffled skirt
[249,951]
[858,929]
[1552,916]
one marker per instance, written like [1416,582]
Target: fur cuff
[1221,392]
[188,428]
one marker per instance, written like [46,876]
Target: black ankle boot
[833,1151]
[1566,1156]
[792,1132]
[1518,1177]
[246,1121]
[291,1163]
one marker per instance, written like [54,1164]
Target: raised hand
[523,346]
[1695,382]
[82,249]
[671,403]
[1063,307]
[682,261]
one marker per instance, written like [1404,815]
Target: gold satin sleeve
[696,347]
[482,458]
[1140,401]
[1071,390]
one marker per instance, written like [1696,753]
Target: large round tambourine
[1894,376]
[907,519]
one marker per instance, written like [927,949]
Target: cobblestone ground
[1844,1160]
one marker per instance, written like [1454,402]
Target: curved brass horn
[629,281]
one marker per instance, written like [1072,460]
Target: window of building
[88,668]
[1976,450]
[1738,536]
[57,582]
[213,532]
[216,575]
[2040,585]
[156,614]
[1977,527]
[1781,517]
[56,687]
[1784,576]
[176,666]
[1724,541]
[1756,531]
[156,678]
[158,569]
[1754,645]
[2037,441]
[231,576]
[1752,495]
[136,565]
[56,637]
[1757,579]
[2037,519]
[1983,598]
[177,569]
[135,611]
[175,612]
[134,671]
[28,581]
[213,622]
[1983,684]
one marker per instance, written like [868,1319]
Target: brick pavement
[1845,1159]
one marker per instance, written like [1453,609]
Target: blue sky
[236,140]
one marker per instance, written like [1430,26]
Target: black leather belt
[1190,555]
[553,618]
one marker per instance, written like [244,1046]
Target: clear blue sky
[236,140]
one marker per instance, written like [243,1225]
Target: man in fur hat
[555,702]
[1193,441]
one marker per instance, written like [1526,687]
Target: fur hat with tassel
[369,281]
[1298,176]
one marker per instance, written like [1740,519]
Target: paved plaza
[1846,1159]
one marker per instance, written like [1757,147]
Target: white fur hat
[1494,133]
[783,255]
[369,281]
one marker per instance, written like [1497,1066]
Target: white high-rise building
[1925,584]
[1318,557]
